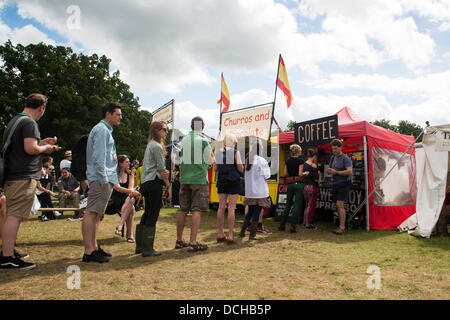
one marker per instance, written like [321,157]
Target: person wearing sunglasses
[154,176]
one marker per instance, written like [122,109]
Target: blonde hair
[229,141]
[295,150]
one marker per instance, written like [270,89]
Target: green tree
[385,124]
[291,125]
[409,128]
[76,86]
[403,127]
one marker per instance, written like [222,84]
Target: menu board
[358,177]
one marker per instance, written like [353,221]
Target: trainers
[18,255]
[57,213]
[94,257]
[103,253]
[311,227]
[83,203]
[21,255]
[263,230]
[44,218]
[15,263]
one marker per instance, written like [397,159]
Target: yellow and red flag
[224,100]
[283,83]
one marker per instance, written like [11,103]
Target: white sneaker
[83,203]
[57,213]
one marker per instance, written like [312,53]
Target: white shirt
[255,179]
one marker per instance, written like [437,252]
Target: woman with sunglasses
[154,176]
[121,201]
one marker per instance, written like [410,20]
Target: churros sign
[165,113]
[253,121]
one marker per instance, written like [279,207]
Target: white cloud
[162,45]
[425,86]
[25,35]
[445,26]
[436,10]
[369,32]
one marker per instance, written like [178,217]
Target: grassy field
[306,265]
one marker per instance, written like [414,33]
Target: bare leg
[88,227]
[2,214]
[125,212]
[195,224]
[231,214]
[130,224]
[221,214]
[97,224]
[129,207]
[342,214]
[9,235]
[181,219]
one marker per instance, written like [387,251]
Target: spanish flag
[283,83]
[224,100]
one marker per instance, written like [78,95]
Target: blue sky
[382,58]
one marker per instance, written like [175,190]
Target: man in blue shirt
[101,161]
[341,168]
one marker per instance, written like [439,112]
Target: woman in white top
[257,171]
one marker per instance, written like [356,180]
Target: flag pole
[172,162]
[221,102]
[275,96]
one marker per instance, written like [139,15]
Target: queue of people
[114,188]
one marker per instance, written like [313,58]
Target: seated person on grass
[44,193]
[68,189]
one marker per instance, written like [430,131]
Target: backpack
[78,166]
[5,147]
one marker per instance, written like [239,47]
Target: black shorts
[229,187]
[340,191]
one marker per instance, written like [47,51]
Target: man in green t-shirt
[196,155]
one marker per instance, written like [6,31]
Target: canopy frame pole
[385,176]
[366,181]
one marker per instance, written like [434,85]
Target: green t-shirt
[195,152]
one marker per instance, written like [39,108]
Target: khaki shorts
[20,197]
[98,198]
[194,198]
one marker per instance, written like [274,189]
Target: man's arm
[99,155]
[31,147]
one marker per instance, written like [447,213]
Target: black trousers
[46,202]
[152,192]
[176,193]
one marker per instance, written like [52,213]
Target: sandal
[230,241]
[221,239]
[118,231]
[179,244]
[197,247]
[131,240]
[338,231]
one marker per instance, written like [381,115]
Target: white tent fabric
[432,166]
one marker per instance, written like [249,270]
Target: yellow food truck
[272,182]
